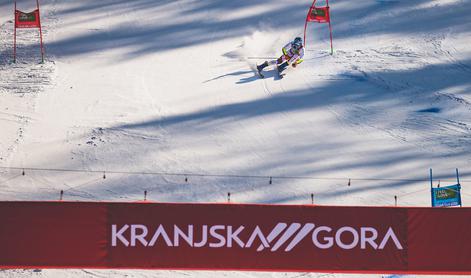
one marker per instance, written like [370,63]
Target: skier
[293,54]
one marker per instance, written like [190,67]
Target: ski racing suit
[290,56]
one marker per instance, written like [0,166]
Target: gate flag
[319,15]
[28,20]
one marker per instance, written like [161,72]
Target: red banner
[235,237]
[27,20]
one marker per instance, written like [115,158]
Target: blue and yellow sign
[446,196]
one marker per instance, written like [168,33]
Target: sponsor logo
[281,237]
[27,17]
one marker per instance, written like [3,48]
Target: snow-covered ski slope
[153,86]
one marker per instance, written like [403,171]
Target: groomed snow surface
[136,87]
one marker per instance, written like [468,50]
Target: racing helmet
[297,43]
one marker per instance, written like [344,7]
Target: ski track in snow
[454,134]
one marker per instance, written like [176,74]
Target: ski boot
[262,66]
[282,67]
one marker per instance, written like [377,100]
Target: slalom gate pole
[305,27]
[330,30]
[431,186]
[305,23]
[40,32]
[331,43]
[14,36]
[459,186]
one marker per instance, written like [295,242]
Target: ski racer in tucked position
[293,54]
